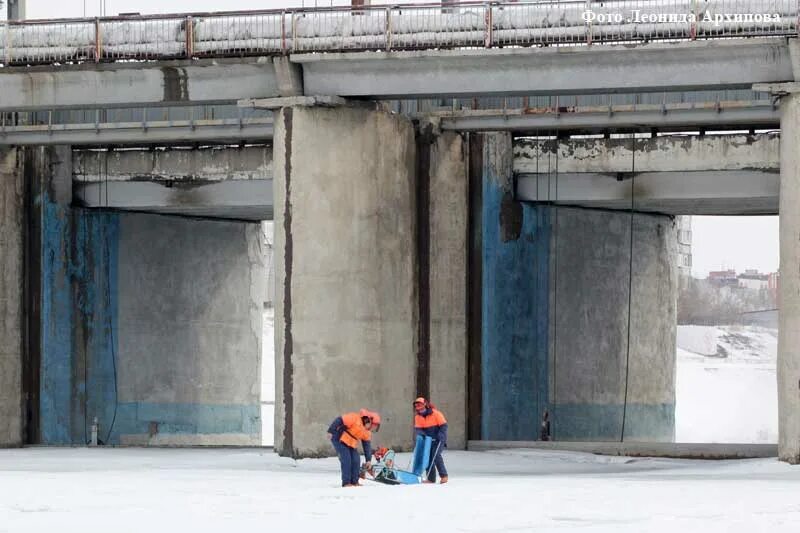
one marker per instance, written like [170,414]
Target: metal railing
[390,27]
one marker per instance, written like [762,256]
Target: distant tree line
[701,302]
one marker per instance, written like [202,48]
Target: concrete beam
[150,132]
[710,115]
[234,200]
[561,70]
[712,175]
[655,154]
[134,84]
[233,183]
[726,192]
[289,75]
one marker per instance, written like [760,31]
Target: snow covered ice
[198,490]
[726,385]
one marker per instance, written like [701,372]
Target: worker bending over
[430,422]
[345,432]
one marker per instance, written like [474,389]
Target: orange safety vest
[436,418]
[354,430]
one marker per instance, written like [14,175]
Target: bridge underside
[701,175]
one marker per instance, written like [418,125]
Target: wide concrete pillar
[515,301]
[149,323]
[613,320]
[789,292]
[448,219]
[12,225]
[346,299]
[574,319]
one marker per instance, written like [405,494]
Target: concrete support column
[448,221]
[346,308]
[613,319]
[12,208]
[515,302]
[789,294]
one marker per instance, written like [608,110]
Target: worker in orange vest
[430,422]
[345,432]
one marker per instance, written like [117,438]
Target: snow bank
[698,339]
[726,385]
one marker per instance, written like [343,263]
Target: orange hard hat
[374,417]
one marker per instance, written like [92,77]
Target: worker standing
[345,432]
[430,422]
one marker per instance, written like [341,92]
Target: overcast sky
[734,242]
[718,242]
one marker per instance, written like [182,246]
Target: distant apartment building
[723,278]
[773,283]
[684,224]
[752,279]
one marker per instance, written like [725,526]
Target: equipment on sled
[384,469]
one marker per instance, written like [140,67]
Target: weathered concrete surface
[515,302]
[229,182]
[698,65]
[197,165]
[152,324]
[345,320]
[656,154]
[650,413]
[448,282]
[556,288]
[599,379]
[789,297]
[134,84]
[191,297]
[11,296]
[725,174]
[639,449]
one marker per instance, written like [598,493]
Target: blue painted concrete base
[143,418]
[79,343]
[603,422]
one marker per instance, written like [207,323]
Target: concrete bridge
[417,253]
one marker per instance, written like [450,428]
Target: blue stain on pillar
[56,378]
[96,303]
[79,251]
[516,250]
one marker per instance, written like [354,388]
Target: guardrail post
[388,29]
[587,9]
[283,32]
[7,58]
[189,23]
[294,32]
[489,20]
[98,41]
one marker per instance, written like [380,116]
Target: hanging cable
[554,418]
[630,288]
[111,336]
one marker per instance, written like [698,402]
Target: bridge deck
[396,27]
